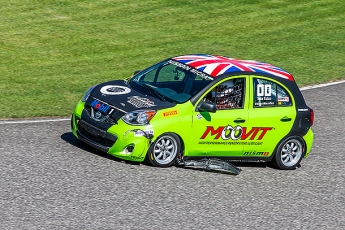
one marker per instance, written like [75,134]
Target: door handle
[285,119]
[239,120]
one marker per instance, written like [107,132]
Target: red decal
[213,132]
[264,130]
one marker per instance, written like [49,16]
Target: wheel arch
[286,138]
[149,154]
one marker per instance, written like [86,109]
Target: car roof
[215,65]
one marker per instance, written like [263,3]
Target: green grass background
[51,51]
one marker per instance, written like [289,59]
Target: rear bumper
[309,139]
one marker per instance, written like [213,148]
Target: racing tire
[164,150]
[289,153]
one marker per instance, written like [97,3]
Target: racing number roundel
[114,90]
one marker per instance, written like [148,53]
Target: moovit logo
[236,133]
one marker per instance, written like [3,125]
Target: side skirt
[235,159]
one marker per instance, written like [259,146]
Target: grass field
[51,51]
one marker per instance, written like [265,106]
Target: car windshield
[170,80]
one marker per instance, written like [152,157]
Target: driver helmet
[224,89]
[228,95]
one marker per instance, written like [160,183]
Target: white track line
[3,122]
[322,85]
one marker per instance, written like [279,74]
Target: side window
[268,94]
[284,98]
[228,94]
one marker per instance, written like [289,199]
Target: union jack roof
[217,65]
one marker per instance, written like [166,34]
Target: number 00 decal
[263,90]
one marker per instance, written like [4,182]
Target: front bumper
[118,140]
[95,137]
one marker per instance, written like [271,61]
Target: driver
[227,95]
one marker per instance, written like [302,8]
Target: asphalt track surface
[50,180]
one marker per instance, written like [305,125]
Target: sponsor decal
[192,70]
[140,102]
[183,66]
[96,104]
[170,113]
[264,98]
[264,103]
[302,110]
[236,133]
[114,90]
[254,153]
[285,99]
[230,142]
[199,116]
[201,74]
[137,158]
[139,133]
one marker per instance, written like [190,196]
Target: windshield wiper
[159,95]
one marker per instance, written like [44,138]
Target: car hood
[121,96]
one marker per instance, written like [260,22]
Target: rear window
[268,93]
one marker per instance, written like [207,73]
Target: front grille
[95,136]
[103,118]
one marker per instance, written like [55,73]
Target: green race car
[193,107]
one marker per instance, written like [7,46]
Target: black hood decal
[120,95]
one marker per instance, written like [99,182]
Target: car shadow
[252,164]
[256,164]
[71,139]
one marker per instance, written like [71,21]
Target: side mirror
[208,107]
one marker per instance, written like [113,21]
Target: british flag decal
[217,65]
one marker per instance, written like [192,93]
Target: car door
[271,116]
[219,133]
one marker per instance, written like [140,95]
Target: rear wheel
[289,153]
[163,152]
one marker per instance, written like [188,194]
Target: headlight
[139,117]
[87,93]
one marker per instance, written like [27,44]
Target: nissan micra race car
[194,107]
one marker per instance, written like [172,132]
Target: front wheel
[289,153]
[163,152]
